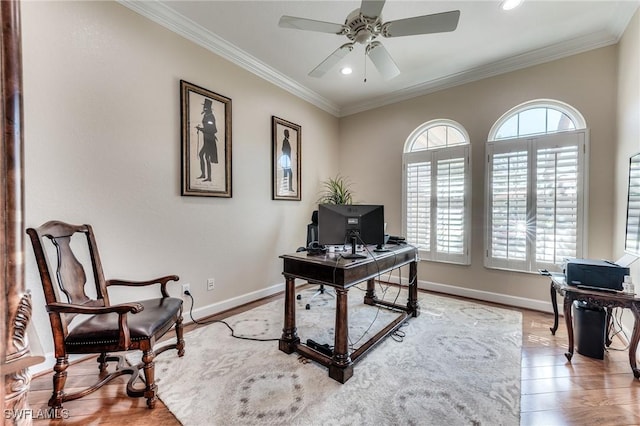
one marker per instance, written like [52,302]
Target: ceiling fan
[363,25]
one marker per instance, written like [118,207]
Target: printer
[598,274]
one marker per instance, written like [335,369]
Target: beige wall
[628,125]
[102,146]
[586,81]
[628,140]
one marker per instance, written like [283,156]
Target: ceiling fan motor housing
[362,29]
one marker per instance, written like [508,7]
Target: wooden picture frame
[205,119]
[286,161]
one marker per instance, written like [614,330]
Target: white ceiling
[488,41]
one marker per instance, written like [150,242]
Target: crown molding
[514,63]
[165,16]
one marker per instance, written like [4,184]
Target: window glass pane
[419,205]
[454,136]
[420,143]
[509,129]
[437,136]
[509,206]
[537,119]
[532,121]
[558,121]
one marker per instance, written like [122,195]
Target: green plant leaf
[336,190]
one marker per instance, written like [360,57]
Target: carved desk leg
[341,368]
[634,340]
[412,304]
[568,302]
[289,338]
[370,295]
[554,304]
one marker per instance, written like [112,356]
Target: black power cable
[188,293]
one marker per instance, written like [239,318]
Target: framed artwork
[205,119]
[286,138]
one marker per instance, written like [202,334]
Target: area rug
[458,363]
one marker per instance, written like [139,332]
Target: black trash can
[589,325]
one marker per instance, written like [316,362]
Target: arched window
[437,187]
[537,117]
[536,187]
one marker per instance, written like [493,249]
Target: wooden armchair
[101,327]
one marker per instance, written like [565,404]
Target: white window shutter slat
[418,204]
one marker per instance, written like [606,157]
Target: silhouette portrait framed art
[286,139]
[205,119]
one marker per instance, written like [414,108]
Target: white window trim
[433,155]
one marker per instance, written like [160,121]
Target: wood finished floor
[585,392]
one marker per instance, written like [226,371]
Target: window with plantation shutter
[632,234]
[536,188]
[436,191]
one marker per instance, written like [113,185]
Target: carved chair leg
[59,379]
[149,377]
[179,336]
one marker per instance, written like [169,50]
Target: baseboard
[227,304]
[485,296]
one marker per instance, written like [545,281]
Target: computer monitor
[350,223]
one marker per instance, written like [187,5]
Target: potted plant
[336,190]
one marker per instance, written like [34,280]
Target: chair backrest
[71,278]
[312,229]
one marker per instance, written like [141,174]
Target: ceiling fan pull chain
[365,68]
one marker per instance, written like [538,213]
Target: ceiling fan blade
[310,25]
[382,60]
[427,24]
[331,60]
[371,8]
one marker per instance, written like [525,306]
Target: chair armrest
[67,308]
[162,281]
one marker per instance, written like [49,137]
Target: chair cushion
[157,317]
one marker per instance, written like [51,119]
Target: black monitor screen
[338,223]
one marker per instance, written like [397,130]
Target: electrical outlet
[211,284]
[186,288]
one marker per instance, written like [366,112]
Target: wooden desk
[332,270]
[600,299]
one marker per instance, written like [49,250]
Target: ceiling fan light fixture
[510,4]
[346,70]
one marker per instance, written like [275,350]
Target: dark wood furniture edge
[599,299]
